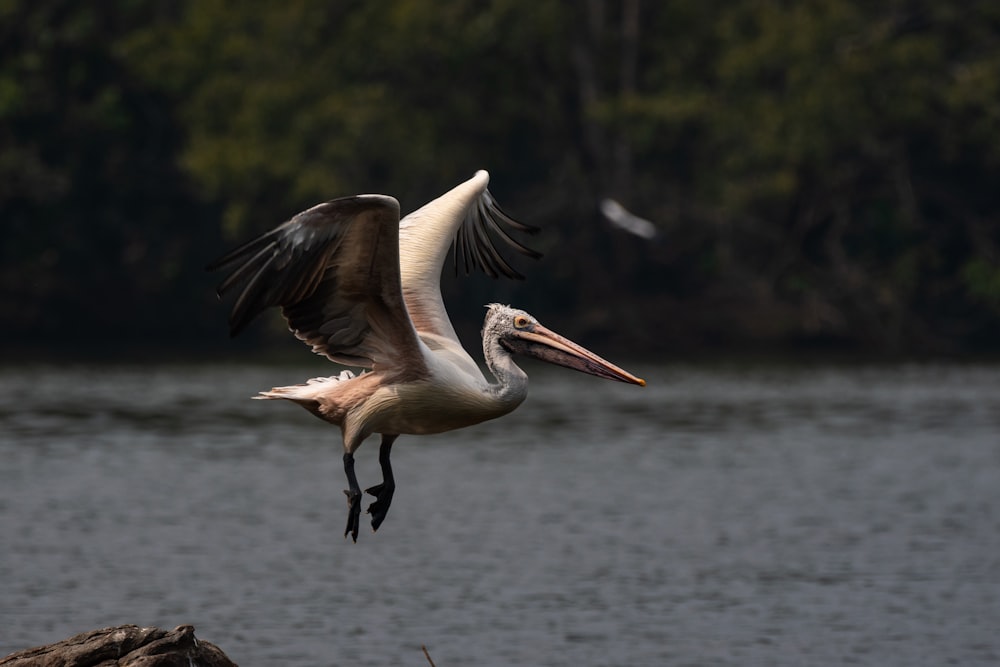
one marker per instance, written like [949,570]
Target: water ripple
[722,515]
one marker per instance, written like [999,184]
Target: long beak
[547,345]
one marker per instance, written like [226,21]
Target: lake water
[729,515]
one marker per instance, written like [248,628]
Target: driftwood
[124,646]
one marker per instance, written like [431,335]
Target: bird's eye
[521,322]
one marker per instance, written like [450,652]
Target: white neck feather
[511,387]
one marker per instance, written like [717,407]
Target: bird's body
[444,399]
[362,288]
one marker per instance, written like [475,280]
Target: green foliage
[93,210]
[983,281]
[820,171]
[293,103]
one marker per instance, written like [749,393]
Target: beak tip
[641,382]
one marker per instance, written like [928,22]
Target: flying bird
[621,217]
[362,288]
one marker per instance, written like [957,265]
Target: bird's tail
[305,392]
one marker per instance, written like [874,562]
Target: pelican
[362,288]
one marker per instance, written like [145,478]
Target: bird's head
[519,333]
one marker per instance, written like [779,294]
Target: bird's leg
[353,498]
[383,492]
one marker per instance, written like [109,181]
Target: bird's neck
[511,386]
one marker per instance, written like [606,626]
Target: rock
[124,646]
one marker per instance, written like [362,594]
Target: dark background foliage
[821,175]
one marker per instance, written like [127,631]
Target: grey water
[723,515]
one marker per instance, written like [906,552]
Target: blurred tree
[98,226]
[838,164]
[287,105]
[819,172]
[293,103]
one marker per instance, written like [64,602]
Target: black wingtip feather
[477,246]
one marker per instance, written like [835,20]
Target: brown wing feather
[334,272]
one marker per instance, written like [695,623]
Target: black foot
[383,498]
[353,514]
[383,492]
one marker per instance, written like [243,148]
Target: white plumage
[362,287]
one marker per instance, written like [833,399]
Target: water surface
[719,516]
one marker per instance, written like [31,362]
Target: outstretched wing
[334,272]
[467,218]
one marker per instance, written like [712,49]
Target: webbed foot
[383,498]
